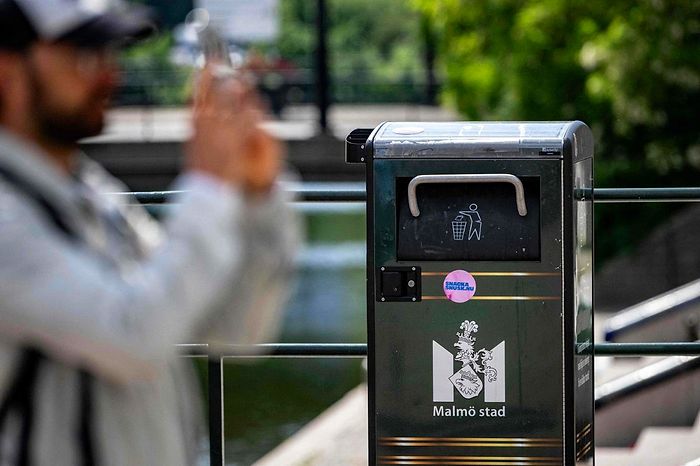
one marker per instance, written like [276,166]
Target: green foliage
[374,46]
[630,69]
[373,57]
[365,34]
[150,77]
[297,34]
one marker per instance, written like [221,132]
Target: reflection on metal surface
[499,298]
[586,448]
[489,439]
[585,430]
[499,442]
[582,436]
[509,440]
[471,460]
[499,274]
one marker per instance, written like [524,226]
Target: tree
[630,69]
[371,53]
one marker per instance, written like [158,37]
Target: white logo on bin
[480,371]
[467,223]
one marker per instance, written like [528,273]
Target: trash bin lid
[465,139]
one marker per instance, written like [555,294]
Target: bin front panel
[480,379]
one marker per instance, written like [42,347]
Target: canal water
[267,401]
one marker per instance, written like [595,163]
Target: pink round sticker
[459,286]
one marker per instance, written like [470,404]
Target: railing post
[216,410]
[322,75]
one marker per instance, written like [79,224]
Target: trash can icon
[467,218]
[459,226]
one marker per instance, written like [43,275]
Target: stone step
[336,437]
[681,444]
[613,456]
[607,369]
[339,437]
[611,368]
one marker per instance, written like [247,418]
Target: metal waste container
[480,292]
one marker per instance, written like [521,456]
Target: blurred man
[93,296]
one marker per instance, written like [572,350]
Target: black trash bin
[480,293]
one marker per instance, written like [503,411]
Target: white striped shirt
[117,301]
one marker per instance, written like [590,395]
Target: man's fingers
[228,140]
[264,158]
[214,92]
[203,89]
[227,99]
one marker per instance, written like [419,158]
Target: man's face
[70,90]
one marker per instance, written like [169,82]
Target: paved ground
[337,437]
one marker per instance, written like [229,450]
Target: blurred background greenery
[630,69]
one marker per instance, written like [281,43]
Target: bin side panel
[583,311]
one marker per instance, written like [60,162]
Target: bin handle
[470,178]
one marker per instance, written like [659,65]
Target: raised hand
[228,142]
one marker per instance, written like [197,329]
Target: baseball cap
[87,23]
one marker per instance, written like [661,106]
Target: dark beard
[67,130]
[64,128]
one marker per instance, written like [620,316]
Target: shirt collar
[31,163]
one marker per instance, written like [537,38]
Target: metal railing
[600,195]
[352,350]
[356,350]
[359,350]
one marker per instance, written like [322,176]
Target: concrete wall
[148,166]
[667,258]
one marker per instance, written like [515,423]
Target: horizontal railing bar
[304,194]
[357,350]
[600,195]
[326,195]
[303,208]
[610,195]
[648,349]
[280,350]
[153,197]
